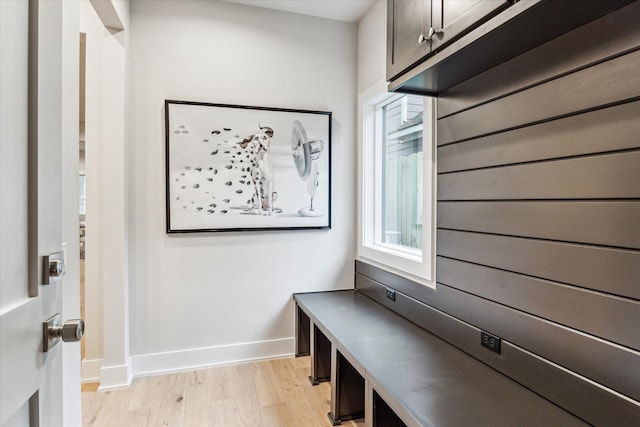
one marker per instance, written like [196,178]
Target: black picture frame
[244,168]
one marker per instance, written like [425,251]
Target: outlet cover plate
[489,341]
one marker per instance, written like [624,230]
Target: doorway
[90,141]
[82,181]
[106,353]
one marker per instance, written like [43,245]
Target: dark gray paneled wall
[538,221]
[539,201]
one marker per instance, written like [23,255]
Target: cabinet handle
[428,38]
[434,32]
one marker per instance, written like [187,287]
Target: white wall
[372,46]
[201,299]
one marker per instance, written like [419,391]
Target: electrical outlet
[490,341]
[391,294]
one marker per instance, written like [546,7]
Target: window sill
[430,283]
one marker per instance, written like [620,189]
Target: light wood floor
[260,394]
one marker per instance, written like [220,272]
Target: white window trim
[402,261]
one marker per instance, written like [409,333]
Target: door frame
[109,272]
[71,397]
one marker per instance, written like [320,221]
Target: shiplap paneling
[608,223]
[595,313]
[594,358]
[612,81]
[608,176]
[614,271]
[539,205]
[557,57]
[605,130]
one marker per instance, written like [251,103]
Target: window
[396,184]
[401,170]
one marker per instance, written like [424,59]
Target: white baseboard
[117,376]
[91,370]
[175,361]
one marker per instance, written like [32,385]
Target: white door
[31,216]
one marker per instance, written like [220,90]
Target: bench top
[431,380]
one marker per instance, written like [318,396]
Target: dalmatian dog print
[232,168]
[262,173]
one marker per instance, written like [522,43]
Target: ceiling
[339,10]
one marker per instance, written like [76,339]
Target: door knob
[70,331]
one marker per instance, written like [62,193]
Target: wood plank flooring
[260,394]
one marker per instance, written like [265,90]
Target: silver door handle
[70,331]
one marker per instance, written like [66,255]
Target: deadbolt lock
[53,268]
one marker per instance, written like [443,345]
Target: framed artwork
[236,168]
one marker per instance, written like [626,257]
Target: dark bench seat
[393,372]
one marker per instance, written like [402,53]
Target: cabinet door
[454,18]
[406,21]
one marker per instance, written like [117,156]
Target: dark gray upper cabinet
[404,44]
[418,28]
[433,45]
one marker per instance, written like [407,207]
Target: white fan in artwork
[305,153]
